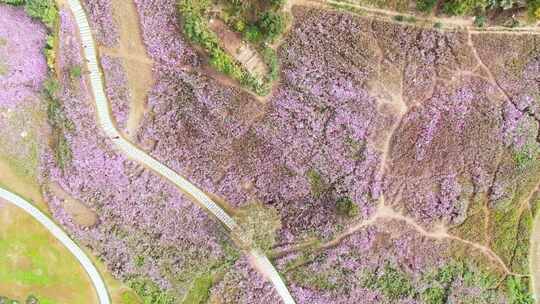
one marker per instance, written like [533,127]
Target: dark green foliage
[12,2]
[480,21]
[345,206]
[425,6]
[399,18]
[393,283]
[518,291]
[252,34]
[463,7]
[196,29]
[43,10]
[437,25]
[277,3]
[139,261]
[150,293]
[271,24]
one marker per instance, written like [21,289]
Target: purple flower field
[392,163]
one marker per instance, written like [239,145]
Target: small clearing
[82,215]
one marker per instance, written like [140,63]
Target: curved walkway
[59,234]
[133,152]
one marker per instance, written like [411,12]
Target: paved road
[133,152]
[58,233]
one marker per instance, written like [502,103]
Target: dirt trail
[137,63]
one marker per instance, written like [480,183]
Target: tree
[271,24]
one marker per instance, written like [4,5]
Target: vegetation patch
[394,284]
[258,22]
[259,223]
[150,292]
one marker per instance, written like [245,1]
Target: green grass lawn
[33,262]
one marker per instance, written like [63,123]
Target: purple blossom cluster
[102,21]
[162,34]
[146,227]
[22,65]
[116,88]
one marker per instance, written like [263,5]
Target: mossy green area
[200,290]
[393,283]
[317,183]
[34,262]
[259,224]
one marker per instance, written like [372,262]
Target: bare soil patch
[137,63]
[81,214]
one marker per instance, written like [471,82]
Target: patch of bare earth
[137,63]
[81,215]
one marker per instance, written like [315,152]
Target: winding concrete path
[133,152]
[59,234]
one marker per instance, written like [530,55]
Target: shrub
[31,300]
[252,34]
[200,290]
[463,7]
[317,184]
[480,21]
[398,18]
[271,24]
[345,206]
